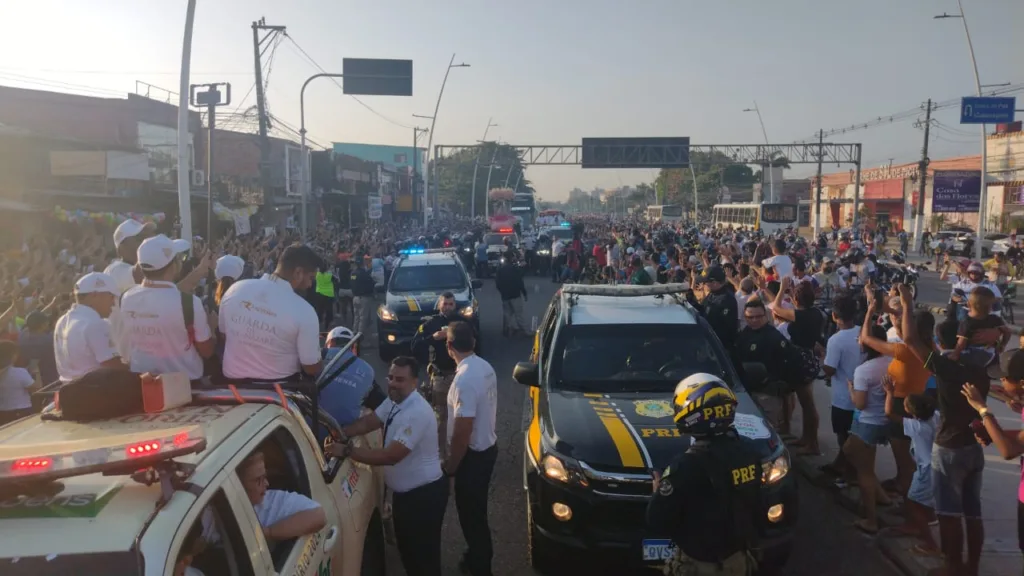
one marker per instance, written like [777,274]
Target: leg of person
[407,528]
[439,385]
[947,479]
[842,420]
[328,312]
[905,465]
[974,462]
[472,481]
[506,317]
[517,314]
[809,419]
[434,506]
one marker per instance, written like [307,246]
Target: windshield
[560,233]
[671,211]
[428,278]
[99,564]
[634,357]
[498,239]
[778,213]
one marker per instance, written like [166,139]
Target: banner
[956,191]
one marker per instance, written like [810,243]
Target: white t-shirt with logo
[154,332]
[81,342]
[270,331]
[474,394]
[121,272]
[414,425]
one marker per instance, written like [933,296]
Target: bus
[672,214]
[523,207]
[769,218]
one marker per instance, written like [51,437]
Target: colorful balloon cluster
[108,218]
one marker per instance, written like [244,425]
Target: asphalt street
[826,542]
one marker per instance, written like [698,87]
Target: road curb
[941,310]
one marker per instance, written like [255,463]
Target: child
[980,317]
[15,401]
[920,426]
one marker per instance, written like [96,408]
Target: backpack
[101,394]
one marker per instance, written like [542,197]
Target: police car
[496,247]
[131,495]
[419,278]
[606,361]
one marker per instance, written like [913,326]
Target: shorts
[842,421]
[871,434]
[921,490]
[956,477]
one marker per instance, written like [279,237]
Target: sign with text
[956,191]
[376,77]
[987,109]
[671,152]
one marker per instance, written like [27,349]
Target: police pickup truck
[606,361]
[159,494]
[498,242]
[418,280]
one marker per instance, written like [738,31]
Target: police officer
[362,283]
[760,342]
[430,343]
[719,305]
[412,469]
[707,500]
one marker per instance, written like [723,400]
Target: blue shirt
[481,253]
[342,397]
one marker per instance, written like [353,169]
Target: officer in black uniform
[363,303]
[708,499]
[430,344]
[719,305]
[760,342]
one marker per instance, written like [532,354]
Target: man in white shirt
[472,452]
[557,259]
[164,330]
[842,356]
[127,238]
[81,337]
[271,332]
[412,467]
[781,261]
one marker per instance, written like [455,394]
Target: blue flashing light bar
[565,224]
[408,251]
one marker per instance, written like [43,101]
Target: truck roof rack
[624,290]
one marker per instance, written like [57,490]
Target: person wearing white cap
[348,390]
[127,237]
[160,329]
[81,337]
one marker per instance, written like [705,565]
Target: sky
[551,73]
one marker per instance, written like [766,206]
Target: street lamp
[480,151]
[771,173]
[302,146]
[430,137]
[984,132]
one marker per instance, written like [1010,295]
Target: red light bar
[143,448]
[505,230]
[29,465]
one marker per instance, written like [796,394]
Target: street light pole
[487,190]
[430,137]
[479,152]
[768,159]
[302,145]
[984,132]
[184,181]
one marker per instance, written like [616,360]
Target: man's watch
[984,412]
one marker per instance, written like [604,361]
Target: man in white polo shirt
[164,329]
[81,337]
[127,237]
[472,451]
[271,332]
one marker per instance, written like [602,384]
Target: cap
[129,229]
[630,250]
[229,266]
[712,273]
[827,260]
[975,267]
[157,252]
[94,282]
[339,333]
[1010,366]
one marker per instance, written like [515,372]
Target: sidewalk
[1001,556]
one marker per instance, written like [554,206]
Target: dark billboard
[657,152]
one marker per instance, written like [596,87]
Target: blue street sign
[987,110]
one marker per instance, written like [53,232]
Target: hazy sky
[551,72]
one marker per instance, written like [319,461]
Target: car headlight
[775,470]
[469,311]
[544,252]
[385,314]
[563,469]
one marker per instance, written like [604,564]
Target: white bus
[770,218]
[671,214]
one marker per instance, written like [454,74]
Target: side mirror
[527,374]
[477,284]
[380,289]
[755,373]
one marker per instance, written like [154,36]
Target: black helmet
[704,405]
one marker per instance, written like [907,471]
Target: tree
[455,178]
[712,170]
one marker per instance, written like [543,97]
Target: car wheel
[374,561]
[542,551]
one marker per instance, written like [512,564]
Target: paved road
[826,542]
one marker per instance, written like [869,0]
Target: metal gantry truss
[569,155]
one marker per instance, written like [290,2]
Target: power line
[309,58]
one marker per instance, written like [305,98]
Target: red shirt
[601,255]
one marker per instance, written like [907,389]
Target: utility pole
[261,100]
[415,160]
[817,193]
[211,98]
[922,177]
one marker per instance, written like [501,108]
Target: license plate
[658,550]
